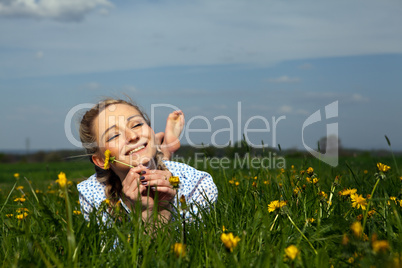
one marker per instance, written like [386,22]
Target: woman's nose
[131,135]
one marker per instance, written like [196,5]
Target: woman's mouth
[137,149]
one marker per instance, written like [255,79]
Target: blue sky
[273,58]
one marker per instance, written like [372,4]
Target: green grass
[51,235]
[41,174]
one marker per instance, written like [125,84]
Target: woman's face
[121,129]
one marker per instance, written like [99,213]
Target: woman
[139,172]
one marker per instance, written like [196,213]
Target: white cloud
[148,34]
[131,89]
[65,10]
[305,66]
[93,85]
[358,98]
[39,55]
[286,109]
[302,112]
[284,79]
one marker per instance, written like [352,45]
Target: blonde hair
[114,187]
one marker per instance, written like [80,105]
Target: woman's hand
[137,181]
[158,180]
[132,187]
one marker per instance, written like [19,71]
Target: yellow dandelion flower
[9,215]
[174,181]
[351,260]
[106,165]
[20,199]
[62,181]
[266,182]
[310,171]
[383,168]
[308,179]
[255,177]
[77,212]
[371,213]
[107,201]
[311,220]
[20,188]
[380,245]
[254,184]
[16,175]
[348,191]
[19,210]
[358,201]
[323,194]
[274,205]
[296,190]
[292,167]
[223,228]
[315,180]
[230,241]
[392,198]
[108,160]
[291,252]
[38,191]
[365,171]
[22,216]
[179,250]
[231,181]
[357,228]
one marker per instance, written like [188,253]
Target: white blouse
[197,187]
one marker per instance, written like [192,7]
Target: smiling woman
[119,130]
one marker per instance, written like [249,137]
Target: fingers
[132,186]
[139,178]
[156,178]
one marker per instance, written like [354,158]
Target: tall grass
[316,219]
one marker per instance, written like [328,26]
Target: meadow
[306,214]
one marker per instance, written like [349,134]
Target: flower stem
[368,203]
[122,163]
[272,227]
[297,228]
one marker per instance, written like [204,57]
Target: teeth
[137,149]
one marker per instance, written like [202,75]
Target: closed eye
[111,138]
[138,125]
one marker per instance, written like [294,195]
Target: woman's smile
[126,134]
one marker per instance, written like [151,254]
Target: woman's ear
[98,161]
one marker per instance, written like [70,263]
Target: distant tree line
[240,148]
